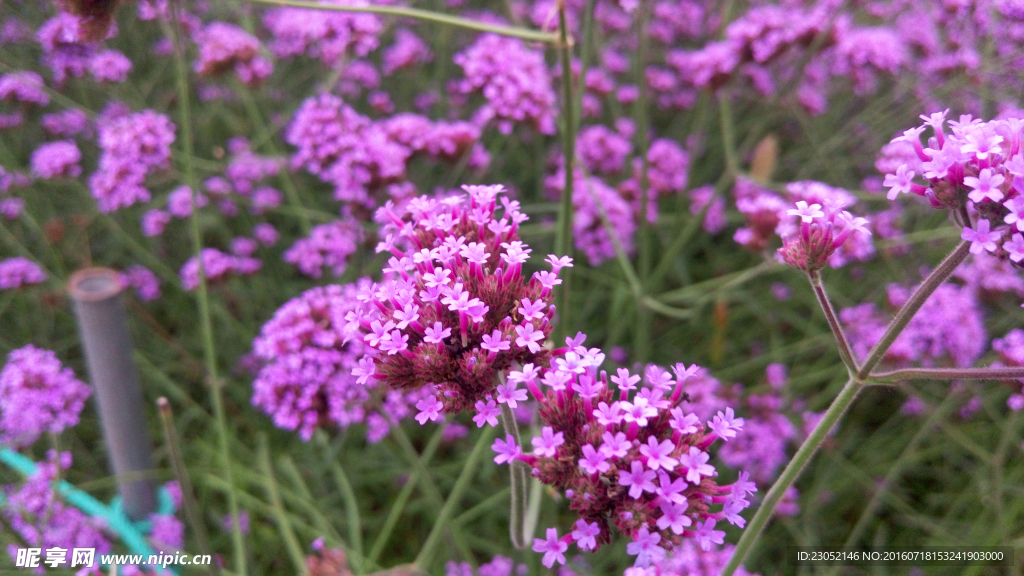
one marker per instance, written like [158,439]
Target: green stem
[209,350]
[518,478]
[426,554]
[563,235]
[188,498]
[790,474]
[355,533]
[403,497]
[833,322]
[425,15]
[1011,373]
[913,304]
[284,525]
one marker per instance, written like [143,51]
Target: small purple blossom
[552,547]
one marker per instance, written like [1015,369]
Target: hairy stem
[519,478]
[1009,373]
[563,234]
[833,322]
[790,474]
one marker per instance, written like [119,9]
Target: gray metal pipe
[103,326]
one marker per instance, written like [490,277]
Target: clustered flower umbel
[309,359]
[455,317]
[978,166]
[37,395]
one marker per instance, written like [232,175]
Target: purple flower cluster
[818,232]
[764,47]
[456,320]
[979,168]
[359,156]
[513,79]
[217,266]
[594,204]
[56,160]
[328,246]
[407,51]
[17,272]
[224,46]
[37,394]
[132,147]
[145,283]
[949,328]
[35,512]
[638,462]
[68,54]
[67,124]
[498,566]
[330,36]
[311,367]
[688,558]
[454,309]
[24,86]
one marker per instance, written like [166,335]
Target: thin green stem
[644,317]
[563,235]
[355,532]
[426,554]
[188,498]
[202,295]
[518,478]
[833,321]
[284,525]
[403,497]
[913,304]
[790,474]
[424,15]
[728,134]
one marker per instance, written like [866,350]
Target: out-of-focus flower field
[574,287]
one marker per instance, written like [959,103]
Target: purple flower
[707,535]
[328,246]
[696,464]
[146,284]
[23,86]
[900,182]
[487,412]
[673,517]
[132,147]
[637,479]
[1015,247]
[38,394]
[586,534]
[513,78]
[645,547]
[658,454]
[805,212]
[982,239]
[110,66]
[546,444]
[552,547]
[507,449]
[217,266]
[429,409]
[726,425]
[593,461]
[17,272]
[56,160]
[985,186]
